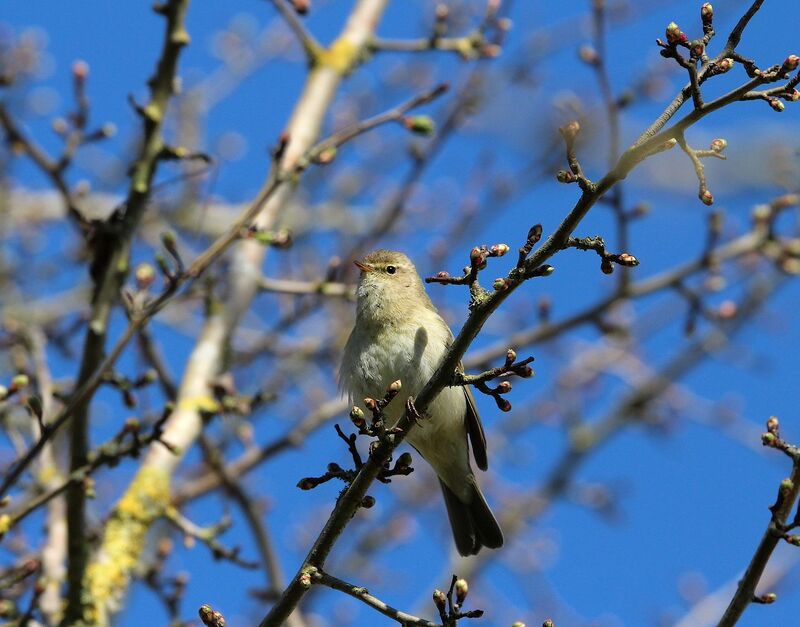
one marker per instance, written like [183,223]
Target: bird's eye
[391,269]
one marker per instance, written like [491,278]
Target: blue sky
[692,503]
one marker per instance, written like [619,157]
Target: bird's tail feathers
[474,525]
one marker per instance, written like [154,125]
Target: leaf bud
[500,285]
[724,65]
[707,198]
[498,250]
[80,70]
[565,176]
[570,131]
[357,417]
[504,387]
[439,600]
[627,260]
[707,13]
[420,124]
[19,381]
[462,589]
[719,144]
[145,275]
[589,55]
[674,34]
[777,105]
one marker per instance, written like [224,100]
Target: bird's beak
[363,266]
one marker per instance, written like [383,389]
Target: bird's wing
[477,437]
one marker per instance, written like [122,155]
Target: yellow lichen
[203,403]
[341,56]
[123,542]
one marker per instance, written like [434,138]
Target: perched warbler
[398,334]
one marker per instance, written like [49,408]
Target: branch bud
[706,197]
[589,55]
[498,250]
[439,600]
[500,285]
[368,502]
[777,105]
[790,63]
[357,417]
[697,49]
[80,70]
[565,176]
[511,356]
[719,144]
[772,424]
[707,13]
[627,260]
[301,6]
[420,124]
[18,382]
[326,155]
[145,275]
[674,34]
[371,404]
[724,65]
[504,387]
[570,131]
[462,589]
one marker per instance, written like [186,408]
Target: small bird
[398,334]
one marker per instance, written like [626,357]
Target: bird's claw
[411,410]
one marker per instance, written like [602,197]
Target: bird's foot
[412,412]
